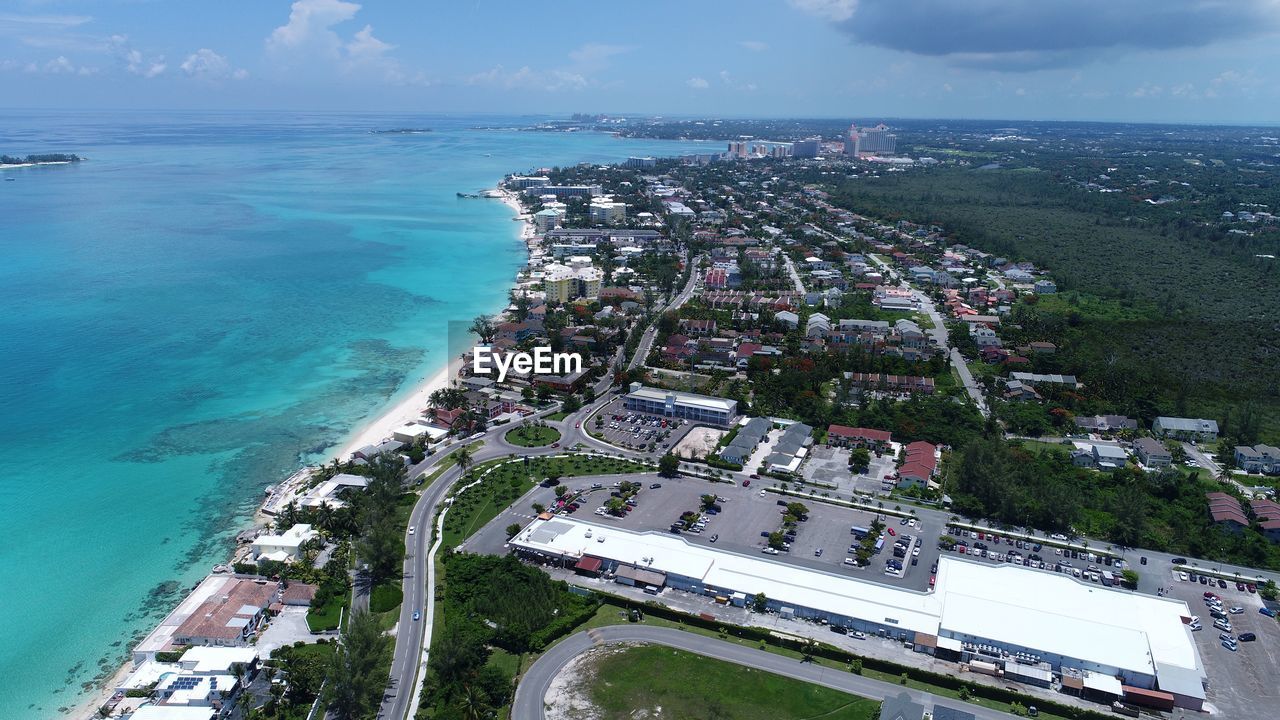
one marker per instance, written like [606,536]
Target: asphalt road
[413,637]
[646,340]
[528,704]
[941,337]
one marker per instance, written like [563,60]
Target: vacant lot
[700,442]
[654,682]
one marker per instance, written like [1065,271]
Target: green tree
[355,685]
[760,603]
[859,460]
[512,530]
[484,328]
[669,466]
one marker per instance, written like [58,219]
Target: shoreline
[385,421]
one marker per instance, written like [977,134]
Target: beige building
[563,283]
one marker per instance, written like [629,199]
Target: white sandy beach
[402,413]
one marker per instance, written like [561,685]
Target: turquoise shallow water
[204,304]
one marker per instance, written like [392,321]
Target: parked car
[746,483]
[1179,561]
[1247,637]
[1267,611]
[1143,560]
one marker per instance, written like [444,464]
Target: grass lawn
[505,484]
[534,436]
[325,617]
[557,416]
[385,597]
[642,679]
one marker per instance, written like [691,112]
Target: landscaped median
[529,435]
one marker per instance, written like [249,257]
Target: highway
[941,336]
[528,703]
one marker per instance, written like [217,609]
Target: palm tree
[474,705]
[462,456]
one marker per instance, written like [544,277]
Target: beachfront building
[286,546]
[548,219]
[327,492]
[689,406]
[172,712]
[564,282]
[1000,614]
[566,191]
[524,182]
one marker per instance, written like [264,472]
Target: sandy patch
[700,442]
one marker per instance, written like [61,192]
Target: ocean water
[204,304]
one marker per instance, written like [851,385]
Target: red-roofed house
[1225,511]
[844,436]
[920,464]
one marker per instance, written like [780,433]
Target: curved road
[528,703]
[413,636]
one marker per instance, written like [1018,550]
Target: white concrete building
[284,547]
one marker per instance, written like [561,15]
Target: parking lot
[829,466]
[638,431]
[1242,680]
[1000,550]
[744,515]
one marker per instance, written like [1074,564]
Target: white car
[412,529]
[916,552]
[1182,576]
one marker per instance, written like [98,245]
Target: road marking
[596,637]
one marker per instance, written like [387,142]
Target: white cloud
[209,65]
[25,23]
[697,83]
[727,78]
[835,10]
[585,62]
[309,22]
[134,62]
[754,45]
[308,42]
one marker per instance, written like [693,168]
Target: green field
[659,682]
[533,436]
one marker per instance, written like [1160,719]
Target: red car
[746,483]
[891,532]
[933,579]
[1251,588]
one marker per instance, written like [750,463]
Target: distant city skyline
[1142,61]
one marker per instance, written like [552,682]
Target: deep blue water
[205,303]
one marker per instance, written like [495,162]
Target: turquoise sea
[204,304]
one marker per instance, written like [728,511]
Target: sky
[1132,60]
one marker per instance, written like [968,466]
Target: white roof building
[1067,622]
[285,546]
[210,660]
[172,712]
[325,493]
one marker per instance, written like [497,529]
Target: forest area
[1172,315]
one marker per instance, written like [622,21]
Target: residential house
[1225,511]
[1258,459]
[1106,423]
[919,465]
[1152,453]
[231,617]
[817,326]
[844,436]
[1267,513]
[286,546]
[1186,428]
[1109,457]
[891,383]
[787,319]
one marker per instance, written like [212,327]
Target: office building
[689,406]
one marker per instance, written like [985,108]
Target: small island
[31,160]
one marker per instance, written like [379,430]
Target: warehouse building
[1002,615]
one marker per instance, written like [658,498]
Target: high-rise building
[807,148]
[871,141]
